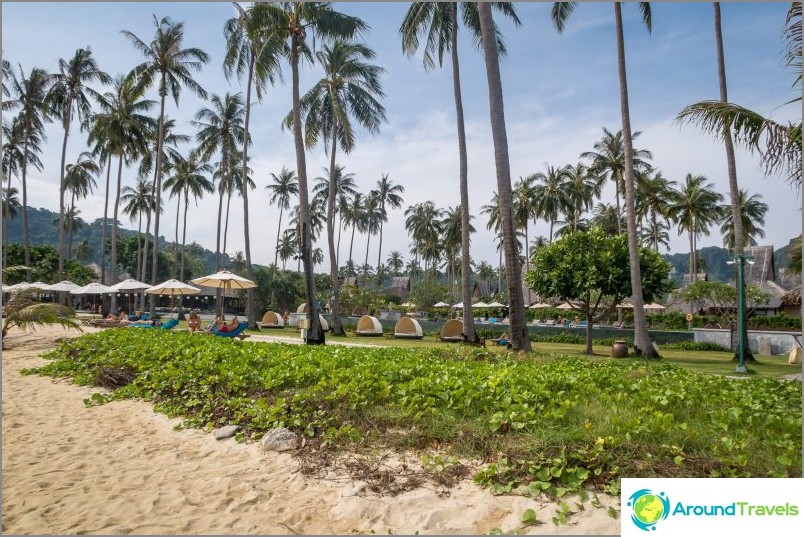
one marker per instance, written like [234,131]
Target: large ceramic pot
[619,349]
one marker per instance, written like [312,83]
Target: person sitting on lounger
[230,326]
[216,324]
[193,321]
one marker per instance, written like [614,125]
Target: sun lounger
[237,332]
[168,325]
[272,319]
[452,331]
[368,326]
[407,328]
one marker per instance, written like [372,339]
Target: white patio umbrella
[93,288]
[539,305]
[496,304]
[16,287]
[654,306]
[38,285]
[564,306]
[440,305]
[224,279]
[130,285]
[64,286]
[459,305]
[172,288]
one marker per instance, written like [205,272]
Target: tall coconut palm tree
[525,195]
[170,67]
[297,22]
[11,207]
[494,214]
[519,331]
[253,51]
[344,187]
[695,208]
[221,132]
[13,155]
[583,187]
[79,180]
[653,192]
[284,187]
[70,94]
[29,95]
[551,195]
[138,201]
[390,197]
[8,72]
[608,158]
[439,22]
[752,211]
[123,126]
[451,236]
[353,214]
[372,218]
[606,217]
[350,89]
[561,11]
[395,262]
[423,224]
[288,246]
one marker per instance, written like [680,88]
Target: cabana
[452,331]
[407,328]
[368,326]
[272,319]
[302,308]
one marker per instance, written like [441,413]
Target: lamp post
[740,261]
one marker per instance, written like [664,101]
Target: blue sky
[560,90]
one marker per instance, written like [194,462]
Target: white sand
[121,468]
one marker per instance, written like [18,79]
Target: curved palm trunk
[315,336]
[113,263]
[351,244]
[642,342]
[379,253]
[25,245]
[251,304]
[278,231]
[158,200]
[71,233]
[368,243]
[105,216]
[463,180]
[337,328]
[338,247]
[734,189]
[226,224]
[184,235]
[218,259]
[180,315]
[61,187]
[519,331]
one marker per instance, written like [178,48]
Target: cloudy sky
[560,90]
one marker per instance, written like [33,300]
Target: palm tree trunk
[368,242]
[68,111]
[379,253]
[139,242]
[113,263]
[105,216]
[184,234]
[72,229]
[463,181]
[642,342]
[278,231]
[315,336]
[519,331]
[158,201]
[527,253]
[25,245]
[337,328]
[499,274]
[226,224]
[338,248]
[351,244]
[617,201]
[218,234]
[655,230]
[5,222]
[692,259]
[251,304]
[145,254]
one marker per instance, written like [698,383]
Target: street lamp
[741,260]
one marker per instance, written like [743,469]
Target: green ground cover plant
[542,424]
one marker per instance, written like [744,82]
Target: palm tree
[372,219]
[8,72]
[353,215]
[653,191]
[344,187]
[284,186]
[525,195]
[169,66]
[253,51]
[778,145]
[389,196]
[11,207]
[561,11]
[452,235]
[423,224]
[79,180]
[695,208]
[495,223]
[136,202]
[13,155]
[519,331]
[26,313]
[29,94]
[439,22]
[551,195]
[70,94]
[608,158]
[752,212]
[288,246]
[221,131]
[583,187]
[350,88]
[395,262]
[124,129]
[606,217]
[296,22]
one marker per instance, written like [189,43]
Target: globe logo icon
[648,508]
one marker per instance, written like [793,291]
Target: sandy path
[121,468]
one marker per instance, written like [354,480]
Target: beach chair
[272,319]
[550,322]
[407,328]
[452,331]
[368,326]
[583,324]
[236,333]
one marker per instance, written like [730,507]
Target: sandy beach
[121,468]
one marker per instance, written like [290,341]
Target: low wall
[604,332]
[759,341]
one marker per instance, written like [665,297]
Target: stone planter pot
[619,349]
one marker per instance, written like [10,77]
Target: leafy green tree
[45,265]
[592,269]
[428,292]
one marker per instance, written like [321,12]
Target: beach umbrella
[128,287]
[223,279]
[173,288]
[459,305]
[480,304]
[625,305]
[16,287]
[93,288]
[496,304]
[654,306]
[64,286]
[440,305]
[38,285]
[539,305]
[564,306]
